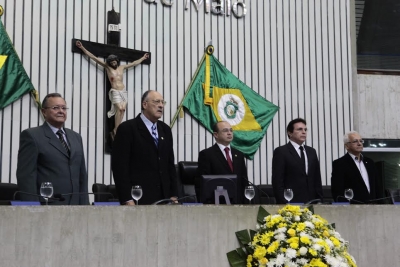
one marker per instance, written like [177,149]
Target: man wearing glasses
[52,153]
[354,171]
[142,154]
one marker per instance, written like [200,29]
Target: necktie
[228,158]
[303,158]
[154,134]
[61,137]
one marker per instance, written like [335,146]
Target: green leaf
[262,213]
[333,225]
[311,208]
[235,259]
[243,237]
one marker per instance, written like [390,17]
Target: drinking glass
[288,194]
[249,192]
[137,193]
[46,191]
[348,194]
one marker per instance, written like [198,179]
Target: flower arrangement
[294,237]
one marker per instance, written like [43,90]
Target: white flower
[309,224]
[329,242]
[303,251]
[280,236]
[297,218]
[302,261]
[316,247]
[291,264]
[290,253]
[281,230]
[257,226]
[280,259]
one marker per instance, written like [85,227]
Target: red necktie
[228,158]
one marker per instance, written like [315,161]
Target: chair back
[7,191]
[187,173]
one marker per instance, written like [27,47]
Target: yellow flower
[263,261]
[249,260]
[305,240]
[312,252]
[260,252]
[326,233]
[335,242]
[300,227]
[294,245]
[265,239]
[273,247]
[317,263]
[291,232]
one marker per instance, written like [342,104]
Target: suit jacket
[288,172]
[345,174]
[213,161]
[42,158]
[136,160]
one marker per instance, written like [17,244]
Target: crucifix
[115,88]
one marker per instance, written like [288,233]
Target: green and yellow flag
[14,82]
[215,94]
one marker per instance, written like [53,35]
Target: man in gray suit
[51,153]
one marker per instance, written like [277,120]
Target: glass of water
[288,194]
[137,193]
[348,194]
[46,191]
[249,192]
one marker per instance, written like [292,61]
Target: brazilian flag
[14,82]
[215,94]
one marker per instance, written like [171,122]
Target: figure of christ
[117,95]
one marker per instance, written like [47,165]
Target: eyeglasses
[158,102]
[356,141]
[57,108]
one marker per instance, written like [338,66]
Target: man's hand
[174,199]
[79,44]
[130,203]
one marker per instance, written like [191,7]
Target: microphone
[170,201]
[185,197]
[82,193]
[259,189]
[312,201]
[57,197]
[382,198]
[337,199]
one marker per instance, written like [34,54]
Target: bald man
[142,154]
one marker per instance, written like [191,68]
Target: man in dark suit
[142,154]
[296,166]
[52,153]
[354,171]
[221,158]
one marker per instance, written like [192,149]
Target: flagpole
[190,85]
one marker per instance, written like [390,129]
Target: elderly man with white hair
[354,171]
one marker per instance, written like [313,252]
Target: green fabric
[249,132]
[14,82]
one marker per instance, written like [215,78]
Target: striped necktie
[62,140]
[154,134]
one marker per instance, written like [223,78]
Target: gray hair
[346,136]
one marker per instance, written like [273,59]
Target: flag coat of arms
[215,94]
[14,82]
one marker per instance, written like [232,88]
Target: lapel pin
[162,138]
[235,155]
